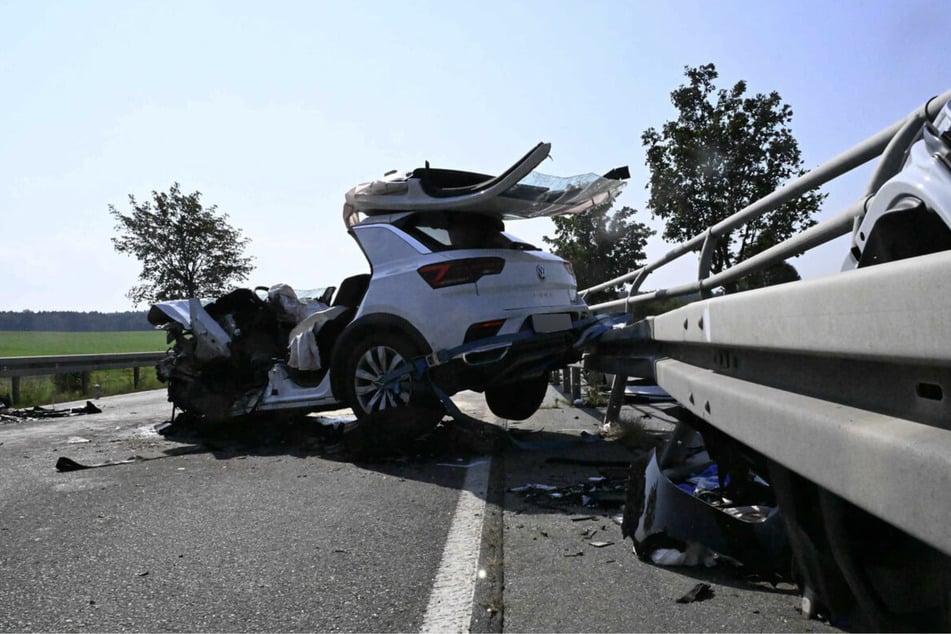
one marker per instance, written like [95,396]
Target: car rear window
[448,230]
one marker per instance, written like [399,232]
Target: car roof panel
[518,193]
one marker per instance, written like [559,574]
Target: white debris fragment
[693,556]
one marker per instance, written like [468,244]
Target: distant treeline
[71,321]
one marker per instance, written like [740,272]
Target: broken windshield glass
[544,195]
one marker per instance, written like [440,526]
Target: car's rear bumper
[496,364]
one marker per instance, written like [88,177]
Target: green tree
[186,250]
[724,151]
[600,245]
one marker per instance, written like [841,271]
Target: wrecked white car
[453,303]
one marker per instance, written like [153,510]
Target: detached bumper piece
[692,507]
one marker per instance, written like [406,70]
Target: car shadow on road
[547,473]
[383,443]
[377,443]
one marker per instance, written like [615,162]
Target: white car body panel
[519,193]
[443,315]
[443,274]
[402,193]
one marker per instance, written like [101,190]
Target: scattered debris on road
[64,464]
[335,435]
[602,491]
[10,415]
[691,503]
[700,592]
[693,554]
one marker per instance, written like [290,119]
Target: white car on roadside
[452,303]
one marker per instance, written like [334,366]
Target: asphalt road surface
[276,529]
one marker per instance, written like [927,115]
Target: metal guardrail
[55,364]
[890,144]
[844,380]
[16,367]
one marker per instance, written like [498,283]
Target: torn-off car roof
[519,192]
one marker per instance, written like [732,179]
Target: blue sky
[274,110]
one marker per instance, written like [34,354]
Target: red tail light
[483,329]
[464,271]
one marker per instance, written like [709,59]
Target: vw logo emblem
[540,272]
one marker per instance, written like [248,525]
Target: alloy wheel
[371,392]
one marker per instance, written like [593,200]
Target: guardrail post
[135,377]
[85,383]
[575,383]
[15,389]
[613,410]
[706,259]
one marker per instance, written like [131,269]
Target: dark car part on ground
[65,464]
[854,570]
[603,491]
[700,592]
[691,493]
[11,415]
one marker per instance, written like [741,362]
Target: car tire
[517,400]
[367,361]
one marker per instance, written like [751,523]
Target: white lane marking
[450,604]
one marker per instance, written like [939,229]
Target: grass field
[43,390]
[31,344]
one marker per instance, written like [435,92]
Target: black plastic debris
[693,501]
[64,464]
[89,408]
[68,464]
[37,412]
[700,592]
[601,491]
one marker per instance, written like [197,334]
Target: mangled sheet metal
[518,192]
[436,245]
[9,415]
[692,508]
[224,349]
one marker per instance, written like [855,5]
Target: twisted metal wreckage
[452,303]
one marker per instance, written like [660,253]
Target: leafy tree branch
[185,249]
